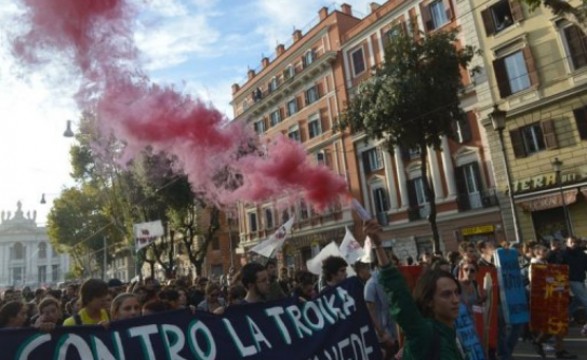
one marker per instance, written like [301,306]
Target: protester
[171,297]
[334,271]
[428,318]
[576,259]
[304,287]
[256,281]
[13,314]
[275,290]
[440,264]
[94,301]
[236,295]
[50,315]
[213,299]
[125,306]
[471,293]
[486,250]
[155,307]
[363,271]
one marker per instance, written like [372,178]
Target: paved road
[575,343]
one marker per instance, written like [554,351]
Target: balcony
[419,212]
[477,200]
[264,97]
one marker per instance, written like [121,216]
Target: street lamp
[68,133]
[498,121]
[557,166]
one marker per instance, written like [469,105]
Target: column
[371,54]
[393,203]
[435,172]
[447,166]
[401,178]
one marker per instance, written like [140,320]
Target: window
[533,138]
[284,216]
[420,193]
[259,126]
[576,46]
[312,95]
[42,274]
[55,273]
[273,84]
[395,31]
[294,133]
[358,61]
[268,218]
[372,160]
[257,94]
[314,128]
[321,158]
[515,72]
[381,204]
[581,120]
[289,72]
[17,251]
[303,210]
[252,222]
[17,275]
[436,14]
[42,250]
[462,130]
[275,117]
[501,15]
[309,58]
[292,107]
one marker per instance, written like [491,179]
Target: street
[574,343]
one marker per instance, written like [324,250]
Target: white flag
[268,247]
[368,251]
[314,265]
[350,248]
[146,233]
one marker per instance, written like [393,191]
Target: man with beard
[256,281]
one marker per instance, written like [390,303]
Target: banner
[513,293]
[467,335]
[485,317]
[268,247]
[146,233]
[336,325]
[314,265]
[549,299]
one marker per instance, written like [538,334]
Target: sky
[201,47]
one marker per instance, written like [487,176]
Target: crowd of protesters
[425,316]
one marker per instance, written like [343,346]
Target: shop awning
[549,201]
[584,191]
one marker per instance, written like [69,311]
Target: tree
[576,14]
[413,99]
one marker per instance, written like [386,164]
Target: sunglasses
[470,270]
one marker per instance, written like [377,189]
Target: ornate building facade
[26,256]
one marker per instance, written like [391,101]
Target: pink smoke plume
[218,156]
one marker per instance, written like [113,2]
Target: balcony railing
[477,200]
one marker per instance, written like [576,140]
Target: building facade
[537,67]
[299,93]
[461,173]
[26,256]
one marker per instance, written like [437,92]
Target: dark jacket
[419,330]
[577,261]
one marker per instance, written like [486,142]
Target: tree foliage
[575,11]
[413,98]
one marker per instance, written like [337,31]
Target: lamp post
[498,121]
[557,166]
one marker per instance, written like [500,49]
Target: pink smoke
[96,36]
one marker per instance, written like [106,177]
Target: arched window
[42,250]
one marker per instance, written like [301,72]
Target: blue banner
[336,325]
[467,334]
[513,294]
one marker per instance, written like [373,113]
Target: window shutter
[426,17]
[412,198]
[501,76]
[517,143]
[488,22]
[581,120]
[477,174]
[531,66]
[366,165]
[549,134]
[462,196]
[448,9]
[516,9]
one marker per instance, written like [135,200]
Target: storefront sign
[543,181]
[550,201]
[484,229]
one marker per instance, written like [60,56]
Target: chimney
[323,13]
[374,6]
[297,35]
[346,9]
[280,49]
[235,88]
[250,74]
[265,62]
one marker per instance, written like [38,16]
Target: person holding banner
[13,314]
[256,280]
[94,297]
[427,319]
[125,306]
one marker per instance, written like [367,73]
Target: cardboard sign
[486,318]
[549,299]
[467,335]
[513,294]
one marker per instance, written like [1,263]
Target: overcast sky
[201,47]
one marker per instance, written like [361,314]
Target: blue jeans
[579,291]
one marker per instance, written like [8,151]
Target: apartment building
[461,173]
[537,67]
[299,92]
